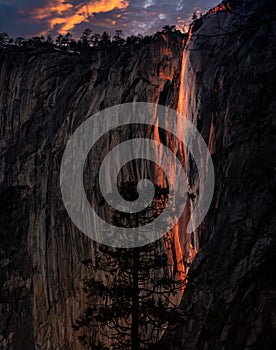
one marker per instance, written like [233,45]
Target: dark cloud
[28,18]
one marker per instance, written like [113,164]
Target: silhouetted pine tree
[133,305]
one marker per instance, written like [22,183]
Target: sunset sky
[34,17]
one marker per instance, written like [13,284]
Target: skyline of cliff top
[28,18]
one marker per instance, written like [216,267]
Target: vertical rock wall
[228,86]
[43,98]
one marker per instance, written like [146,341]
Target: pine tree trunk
[135,341]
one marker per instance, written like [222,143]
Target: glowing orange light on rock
[221,7]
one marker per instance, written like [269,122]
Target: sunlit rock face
[43,98]
[228,92]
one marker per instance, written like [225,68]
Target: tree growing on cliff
[169,29]
[134,39]
[4,38]
[49,40]
[59,39]
[86,37]
[133,306]
[118,38]
[20,41]
[95,39]
[105,39]
[67,39]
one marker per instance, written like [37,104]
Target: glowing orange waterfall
[185,252]
[179,247]
[180,252]
[182,97]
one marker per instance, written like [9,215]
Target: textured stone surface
[229,302]
[43,98]
[230,299]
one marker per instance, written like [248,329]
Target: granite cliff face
[228,89]
[44,97]
[223,83]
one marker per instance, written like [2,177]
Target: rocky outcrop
[43,98]
[230,299]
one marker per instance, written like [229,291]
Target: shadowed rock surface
[229,302]
[230,299]
[43,98]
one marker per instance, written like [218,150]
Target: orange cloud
[53,7]
[60,12]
